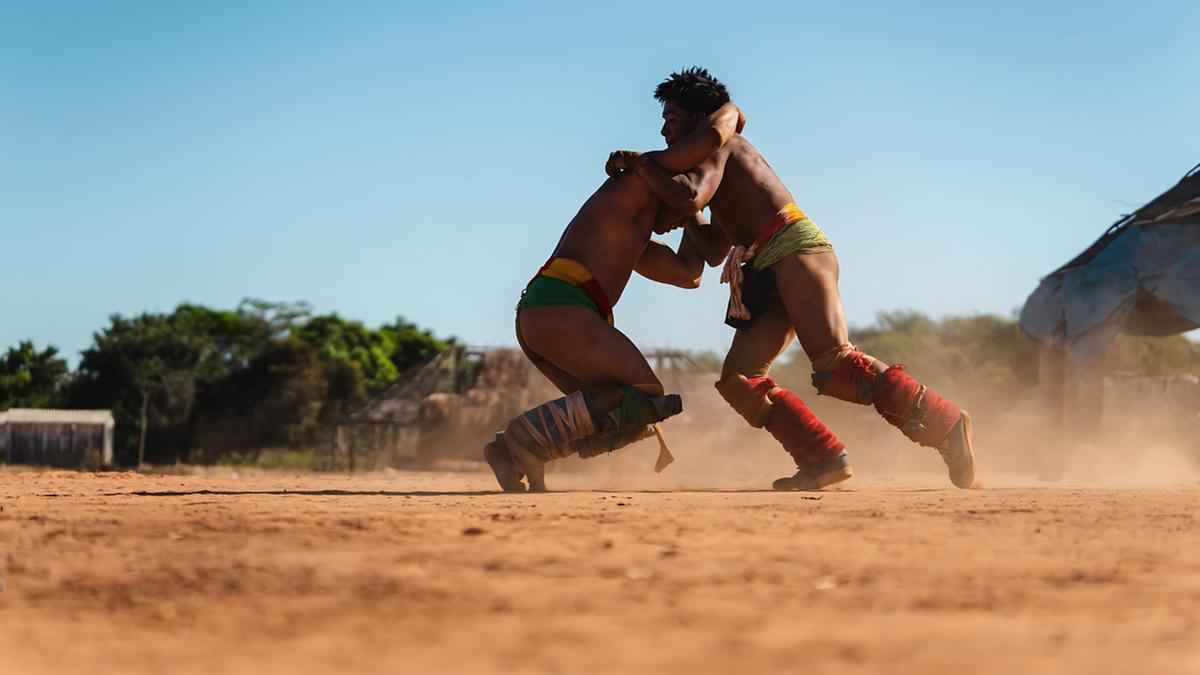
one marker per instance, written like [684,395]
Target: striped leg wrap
[555,424]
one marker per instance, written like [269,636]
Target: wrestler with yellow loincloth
[783,274]
[565,324]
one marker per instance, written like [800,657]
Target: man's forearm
[691,150]
[709,241]
[714,132]
[659,263]
[676,191]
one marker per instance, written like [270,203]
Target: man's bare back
[610,232]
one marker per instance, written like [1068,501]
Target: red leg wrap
[805,437]
[852,380]
[748,396]
[923,416]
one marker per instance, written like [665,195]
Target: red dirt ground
[432,572]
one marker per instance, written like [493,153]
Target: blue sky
[421,159]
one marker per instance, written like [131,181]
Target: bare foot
[498,457]
[522,447]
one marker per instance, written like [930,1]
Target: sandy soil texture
[432,572]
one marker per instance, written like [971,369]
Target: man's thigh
[754,349]
[564,381]
[808,288]
[579,342]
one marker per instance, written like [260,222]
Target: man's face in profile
[677,122]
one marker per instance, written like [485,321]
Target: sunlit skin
[574,346]
[743,194]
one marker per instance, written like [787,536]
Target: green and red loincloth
[565,282]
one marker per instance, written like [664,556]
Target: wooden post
[1055,380]
[142,432]
[460,370]
[1052,381]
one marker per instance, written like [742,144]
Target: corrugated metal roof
[55,416]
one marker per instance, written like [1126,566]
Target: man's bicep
[659,263]
[689,152]
[706,178]
[655,258]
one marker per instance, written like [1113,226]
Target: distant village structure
[437,409]
[1142,277]
[62,438]
[446,408]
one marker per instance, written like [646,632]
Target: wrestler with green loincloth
[783,276]
[565,324]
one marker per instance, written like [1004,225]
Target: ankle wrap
[921,415]
[806,438]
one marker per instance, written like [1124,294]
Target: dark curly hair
[694,90]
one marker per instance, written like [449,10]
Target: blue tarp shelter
[1142,278]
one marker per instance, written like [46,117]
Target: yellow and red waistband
[574,272]
[789,214]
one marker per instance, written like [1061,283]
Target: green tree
[179,368]
[340,341]
[141,364]
[212,381]
[30,378]
[983,353]
[282,394]
[1169,355]
[273,320]
[412,345]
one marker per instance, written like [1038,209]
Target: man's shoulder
[738,146]
[715,161]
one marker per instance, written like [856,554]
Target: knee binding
[598,445]
[637,410]
[848,374]
[749,397]
[845,373]
[566,425]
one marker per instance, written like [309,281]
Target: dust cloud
[1117,443]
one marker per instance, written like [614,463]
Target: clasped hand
[621,161]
